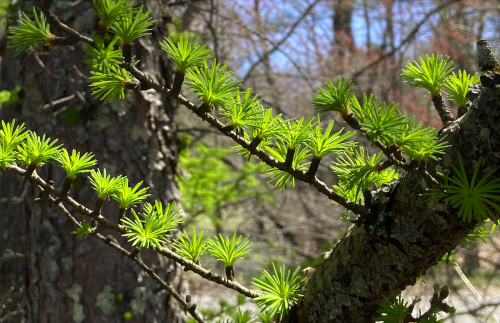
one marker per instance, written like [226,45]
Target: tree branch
[39,183]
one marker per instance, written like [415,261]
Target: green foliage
[297,132]
[478,234]
[7,157]
[283,178]
[84,230]
[427,149]
[358,169]
[322,144]
[213,86]
[239,316]
[129,29]
[432,74]
[265,317]
[104,184]
[381,122]
[75,164]
[212,185]
[11,137]
[392,127]
[102,57]
[267,127]
[242,113]
[111,10]
[393,311]
[335,98]
[474,199]
[458,87]
[354,193]
[229,251]
[127,196]
[185,55]
[30,33]
[358,111]
[153,230]
[37,151]
[280,291]
[110,86]
[191,249]
[414,135]
[8,97]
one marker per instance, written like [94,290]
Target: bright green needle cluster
[84,230]
[229,251]
[111,85]
[191,248]
[266,126]
[431,74]
[239,316]
[102,57]
[153,228]
[110,11]
[382,122]
[241,114]
[127,196]
[37,150]
[335,97]
[475,199]
[212,85]
[104,184]
[324,143]
[458,87]
[184,54]
[129,29]
[30,33]
[298,132]
[10,138]
[74,164]
[356,168]
[280,290]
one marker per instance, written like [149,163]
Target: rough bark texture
[56,277]
[408,234]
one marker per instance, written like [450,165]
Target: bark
[56,277]
[408,234]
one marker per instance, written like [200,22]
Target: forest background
[283,50]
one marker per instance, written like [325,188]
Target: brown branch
[38,182]
[54,21]
[191,308]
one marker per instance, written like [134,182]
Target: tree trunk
[56,277]
[408,234]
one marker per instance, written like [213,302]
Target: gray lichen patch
[138,303]
[105,300]
[74,293]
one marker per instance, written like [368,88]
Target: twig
[408,38]
[284,39]
[38,182]
[54,21]
[191,308]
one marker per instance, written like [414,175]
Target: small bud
[445,291]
